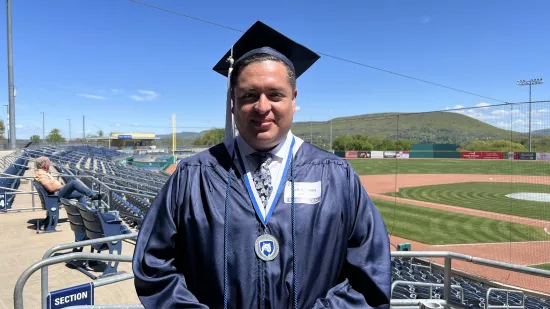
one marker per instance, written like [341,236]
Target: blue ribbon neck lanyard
[272,202]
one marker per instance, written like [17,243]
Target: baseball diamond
[462,206]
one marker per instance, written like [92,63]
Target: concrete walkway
[21,247]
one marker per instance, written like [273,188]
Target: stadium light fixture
[43,131]
[11,89]
[70,137]
[330,111]
[530,83]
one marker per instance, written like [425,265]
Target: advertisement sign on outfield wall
[487,155]
[509,155]
[377,154]
[526,156]
[543,156]
[351,154]
[389,154]
[402,155]
[363,154]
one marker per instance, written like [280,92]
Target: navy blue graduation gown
[343,253]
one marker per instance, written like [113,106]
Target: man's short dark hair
[257,58]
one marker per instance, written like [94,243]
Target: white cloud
[513,117]
[298,108]
[91,96]
[116,91]
[147,95]
[500,112]
[425,19]
[503,125]
[483,105]
[19,126]
[476,113]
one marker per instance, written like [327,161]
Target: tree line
[55,136]
[352,142]
[364,143]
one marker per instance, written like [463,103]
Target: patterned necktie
[262,176]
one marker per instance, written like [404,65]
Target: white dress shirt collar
[279,153]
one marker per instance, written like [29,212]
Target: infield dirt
[520,253]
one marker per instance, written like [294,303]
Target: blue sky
[127,67]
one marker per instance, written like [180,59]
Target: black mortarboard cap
[262,38]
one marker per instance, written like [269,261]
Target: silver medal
[267,247]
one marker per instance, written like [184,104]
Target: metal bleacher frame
[115,186]
[48,260]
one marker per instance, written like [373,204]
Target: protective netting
[470,180]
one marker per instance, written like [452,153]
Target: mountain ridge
[430,127]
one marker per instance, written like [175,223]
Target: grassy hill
[543,132]
[435,127]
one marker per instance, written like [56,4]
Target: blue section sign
[125,137]
[73,296]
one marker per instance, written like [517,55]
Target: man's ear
[232,101]
[295,94]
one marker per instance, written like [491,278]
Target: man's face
[264,104]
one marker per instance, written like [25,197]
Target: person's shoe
[98,196]
[125,230]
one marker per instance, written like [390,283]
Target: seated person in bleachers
[74,189]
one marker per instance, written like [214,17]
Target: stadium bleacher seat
[475,292]
[97,227]
[50,202]
[9,184]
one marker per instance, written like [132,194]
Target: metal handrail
[474,260]
[128,181]
[128,188]
[507,306]
[19,286]
[18,291]
[72,245]
[431,285]
[32,177]
[107,307]
[417,303]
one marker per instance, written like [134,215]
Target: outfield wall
[467,155]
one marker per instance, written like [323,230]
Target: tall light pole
[11,89]
[70,137]
[7,126]
[330,111]
[530,83]
[43,130]
[311,130]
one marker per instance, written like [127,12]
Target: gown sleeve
[366,273]
[368,262]
[157,279]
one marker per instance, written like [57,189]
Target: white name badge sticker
[304,192]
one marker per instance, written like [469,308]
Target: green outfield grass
[449,166]
[485,196]
[542,266]
[438,227]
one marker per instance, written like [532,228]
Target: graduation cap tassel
[294,267]
[226,244]
[229,125]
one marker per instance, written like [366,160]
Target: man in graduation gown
[228,230]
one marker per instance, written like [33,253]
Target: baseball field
[494,209]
